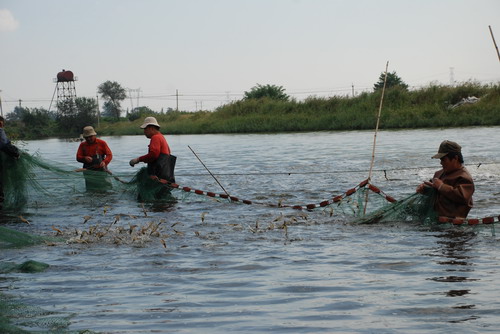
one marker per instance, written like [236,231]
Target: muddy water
[220,267]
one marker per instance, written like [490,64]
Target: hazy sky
[211,51]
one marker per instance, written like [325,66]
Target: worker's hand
[134,162]
[102,164]
[434,183]
[437,183]
[88,159]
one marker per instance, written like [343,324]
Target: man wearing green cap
[453,184]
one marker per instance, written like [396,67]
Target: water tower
[65,86]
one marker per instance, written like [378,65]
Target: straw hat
[88,131]
[149,121]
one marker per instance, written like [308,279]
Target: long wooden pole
[376,131]
[208,170]
[494,43]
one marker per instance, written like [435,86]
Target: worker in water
[95,155]
[160,162]
[10,150]
[453,184]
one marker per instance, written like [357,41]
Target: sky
[209,53]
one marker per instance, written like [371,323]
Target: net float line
[365,183]
[470,221]
[322,204]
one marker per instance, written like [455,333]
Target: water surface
[233,268]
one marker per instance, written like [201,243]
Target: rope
[470,221]
[324,203]
[233,199]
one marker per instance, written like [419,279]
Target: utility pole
[452,77]
[98,112]
[352,90]
[20,103]
[1,109]
[177,100]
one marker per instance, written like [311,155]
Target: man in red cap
[453,184]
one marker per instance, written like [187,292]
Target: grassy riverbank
[433,106]
[426,107]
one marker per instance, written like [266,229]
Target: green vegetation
[432,106]
[427,107]
[113,93]
[393,80]
[270,91]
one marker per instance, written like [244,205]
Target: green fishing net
[17,317]
[31,179]
[414,208]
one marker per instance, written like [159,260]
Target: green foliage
[113,93]
[393,80]
[272,92]
[39,121]
[74,115]
[140,112]
[430,106]
[16,114]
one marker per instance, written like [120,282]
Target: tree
[113,93]
[393,80]
[39,121]
[270,91]
[140,112]
[76,114]
[16,114]
[87,111]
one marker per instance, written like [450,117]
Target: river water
[223,267]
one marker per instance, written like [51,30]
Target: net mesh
[414,208]
[30,178]
[17,317]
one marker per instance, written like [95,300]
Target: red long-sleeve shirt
[89,150]
[157,145]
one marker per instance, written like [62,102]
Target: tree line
[262,108]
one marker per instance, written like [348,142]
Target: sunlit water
[230,268]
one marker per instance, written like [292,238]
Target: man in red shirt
[95,155]
[160,162]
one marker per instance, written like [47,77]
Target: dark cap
[447,147]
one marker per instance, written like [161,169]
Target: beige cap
[149,121]
[88,131]
[447,147]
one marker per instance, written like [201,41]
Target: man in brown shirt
[453,184]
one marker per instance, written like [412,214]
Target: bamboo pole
[494,43]
[376,132]
[208,170]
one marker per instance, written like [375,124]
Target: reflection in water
[455,247]
[457,293]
